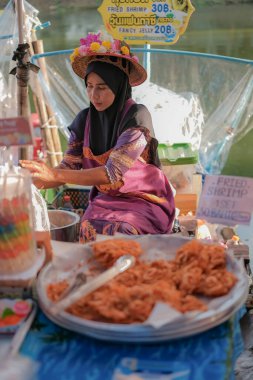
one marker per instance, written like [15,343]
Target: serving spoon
[122,264]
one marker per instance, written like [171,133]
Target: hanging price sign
[146,21]
[15,131]
[226,200]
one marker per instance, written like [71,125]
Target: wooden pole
[41,109]
[22,73]
[20,10]
[38,49]
[46,133]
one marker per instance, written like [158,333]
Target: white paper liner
[67,255]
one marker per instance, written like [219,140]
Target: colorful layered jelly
[16,235]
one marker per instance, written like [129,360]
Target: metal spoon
[74,282]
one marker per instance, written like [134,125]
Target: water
[225,30]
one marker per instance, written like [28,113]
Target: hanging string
[48,126]
[53,153]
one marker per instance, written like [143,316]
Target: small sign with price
[146,21]
[15,131]
[226,200]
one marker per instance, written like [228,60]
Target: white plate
[155,336]
[227,306]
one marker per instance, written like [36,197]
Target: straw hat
[102,47]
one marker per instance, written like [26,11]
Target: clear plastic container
[17,243]
[178,164]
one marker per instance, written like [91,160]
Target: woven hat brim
[137,75]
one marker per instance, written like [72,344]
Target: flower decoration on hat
[74,54]
[101,43]
[102,47]
[125,50]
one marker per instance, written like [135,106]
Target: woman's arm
[128,149]
[52,177]
[86,177]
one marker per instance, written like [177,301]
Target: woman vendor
[112,148]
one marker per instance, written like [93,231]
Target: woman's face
[100,95]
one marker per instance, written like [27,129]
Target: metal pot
[64,225]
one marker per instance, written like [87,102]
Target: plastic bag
[229,123]
[40,214]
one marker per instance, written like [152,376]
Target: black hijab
[107,126]
[104,125]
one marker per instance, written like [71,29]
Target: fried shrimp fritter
[189,279]
[216,283]
[108,251]
[217,256]
[191,253]
[198,269]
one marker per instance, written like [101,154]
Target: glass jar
[17,242]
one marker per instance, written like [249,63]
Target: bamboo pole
[55,135]
[41,109]
[38,49]
[45,131]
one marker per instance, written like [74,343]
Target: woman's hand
[41,173]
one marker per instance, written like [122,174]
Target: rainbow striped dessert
[16,236]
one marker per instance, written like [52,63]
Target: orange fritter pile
[198,269]
[202,269]
[108,251]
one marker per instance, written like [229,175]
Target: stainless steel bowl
[64,225]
